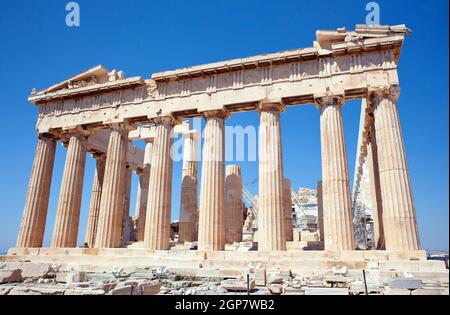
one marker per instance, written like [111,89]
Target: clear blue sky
[142,37]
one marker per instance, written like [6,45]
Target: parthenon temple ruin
[102,112]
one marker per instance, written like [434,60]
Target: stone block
[293,291]
[35,270]
[390,291]
[70,277]
[10,276]
[275,278]
[427,292]
[84,292]
[326,291]
[359,288]
[410,284]
[124,290]
[275,288]
[149,287]
[260,277]
[237,285]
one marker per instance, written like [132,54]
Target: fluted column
[126,231]
[271,233]
[320,210]
[211,228]
[109,228]
[375,191]
[189,183]
[399,214]
[337,212]
[68,214]
[157,223]
[142,194]
[233,204]
[96,194]
[287,201]
[141,204]
[32,227]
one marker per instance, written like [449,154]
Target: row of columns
[106,214]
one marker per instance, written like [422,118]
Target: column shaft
[157,223]
[399,214]
[109,228]
[31,232]
[320,210]
[339,234]
[189,183]
[211,229]
[271,233]
[94,208]
[68,214]
[233,204]
[188,202]
[141,204]
[287,201]
[375,191]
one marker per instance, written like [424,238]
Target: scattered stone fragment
[338,281]
[124,290]
[237,285]
[149,287]
[84,292]
[275,278]
[70,277]
[10,276]
[275,288]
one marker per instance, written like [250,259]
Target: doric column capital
[165,120]
[219,113]
[122,127]
[392,92]
[79,133]
[270,106]
[329,100]
[46,136]
[98,155]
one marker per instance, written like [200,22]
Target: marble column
[399,214]
[109,228]
[211,226]
[141,204]
[96,194]
[32,227]
[189,183]
[127,226]
[234,220]
[271,233]
[375,190]
[337,212]
[157,223]
[68,214]
[142,194]
[287,201]
[320,210]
